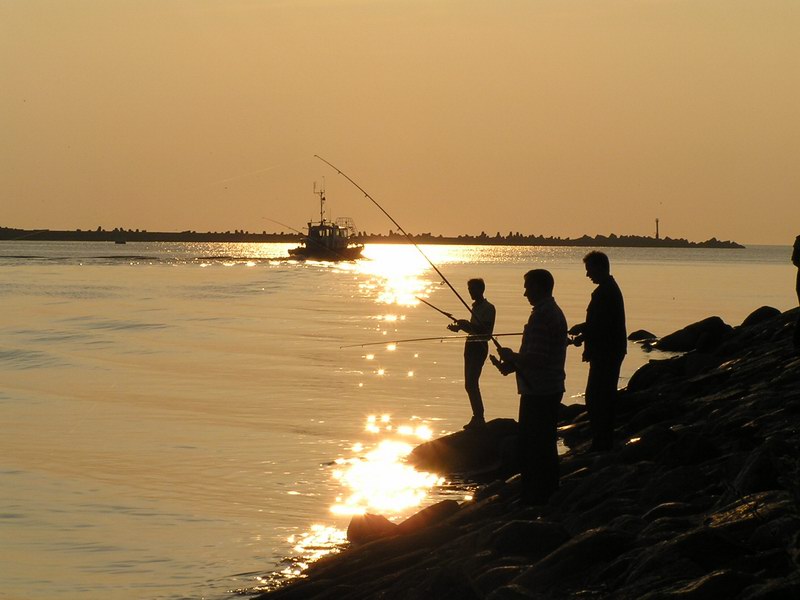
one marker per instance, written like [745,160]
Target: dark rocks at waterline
[642,335]
[760,315]
[702,335]
[699,499]
[471,453]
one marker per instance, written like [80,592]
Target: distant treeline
[512,239]
[518,239]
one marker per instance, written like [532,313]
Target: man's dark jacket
[604,334]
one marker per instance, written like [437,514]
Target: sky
[552,117]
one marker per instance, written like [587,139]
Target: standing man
[796,263]
[606,343]
[479,327]
[539,366]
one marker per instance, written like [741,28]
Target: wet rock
[628,523]
[515,592]
[466,450]
[774,589]
[647,444]
[367,527]
[702,335]
[696,364]
[704,548]
[759,473]
[497,577]
[653,372]
[759,315]
[670,509]
[724,583]
[569,412]
[641,335]
[532,539]
[690,448]
[740,519]
[777,533]
[428,517]
[602,514]
[667,528]
[583,552]
[675,485]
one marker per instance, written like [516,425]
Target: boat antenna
[321,194]
[405,233]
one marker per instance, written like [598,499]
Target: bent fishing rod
[408,237]
[436,308]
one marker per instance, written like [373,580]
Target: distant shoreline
[512,239]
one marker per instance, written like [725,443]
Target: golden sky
[554,117]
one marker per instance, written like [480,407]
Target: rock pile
[700,499]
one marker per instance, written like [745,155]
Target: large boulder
[703,335]
[428,517]
[580,554]
[759,315]
[467,451]
[367,527]
[642,335]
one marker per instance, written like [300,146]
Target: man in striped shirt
[539,366]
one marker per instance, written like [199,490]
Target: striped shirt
[543,351]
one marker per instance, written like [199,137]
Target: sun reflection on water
[379,480]
[376,479]
[394,274]
[313,545]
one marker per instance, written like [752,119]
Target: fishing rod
[408,237]
[436,308]
[425,339]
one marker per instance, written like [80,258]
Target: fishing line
[426,339]
[251,173]
[497,363]
[408,237]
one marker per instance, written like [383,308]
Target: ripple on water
[29,359]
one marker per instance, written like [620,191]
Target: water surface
[177,418]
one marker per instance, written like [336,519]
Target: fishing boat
[328,240]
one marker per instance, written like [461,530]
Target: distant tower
[656,228]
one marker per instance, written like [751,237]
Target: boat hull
[311,253]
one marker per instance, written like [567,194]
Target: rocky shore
[699,500]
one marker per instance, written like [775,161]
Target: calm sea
[177,420]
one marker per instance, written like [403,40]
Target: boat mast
[321,194]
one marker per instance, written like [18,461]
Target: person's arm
[796,252]
[460,325]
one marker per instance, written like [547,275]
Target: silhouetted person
[539,366]
[476,348]
[605,344]
[796,262]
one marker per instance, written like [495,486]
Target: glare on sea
[373,478]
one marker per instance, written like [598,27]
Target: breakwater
[241,236]
[699,499]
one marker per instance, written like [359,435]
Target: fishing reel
[575,340]
[504,367]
